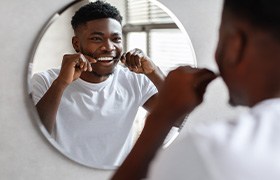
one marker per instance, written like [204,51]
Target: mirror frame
[35,45]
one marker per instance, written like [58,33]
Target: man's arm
[48,105]
[157,77]
[182,91]
[138,62]
[71,69]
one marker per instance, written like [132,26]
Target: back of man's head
[95,10]
[255,74]
[263,14]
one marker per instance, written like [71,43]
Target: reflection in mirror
[94,106]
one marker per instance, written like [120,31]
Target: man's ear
[236,46]
[76,43]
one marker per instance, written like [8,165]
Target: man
[89,104]
[248,57]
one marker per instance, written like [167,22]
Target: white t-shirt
[94,121]
[245,149]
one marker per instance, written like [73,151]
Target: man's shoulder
[48,75]
[248,122]
[54,72]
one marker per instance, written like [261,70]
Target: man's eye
[96,39]
[117,39]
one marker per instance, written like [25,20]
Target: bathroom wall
[24,151]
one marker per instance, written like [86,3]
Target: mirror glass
[147,25]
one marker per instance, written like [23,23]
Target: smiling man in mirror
[88,105]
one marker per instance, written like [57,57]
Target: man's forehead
[104,25]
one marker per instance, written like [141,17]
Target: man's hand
[183,90]
[72,67]
[138,62]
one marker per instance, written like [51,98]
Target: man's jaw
[99,75]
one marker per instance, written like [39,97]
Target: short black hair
[263,14]
[95,10]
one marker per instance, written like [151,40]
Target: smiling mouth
[106,60]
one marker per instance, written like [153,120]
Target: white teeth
[105,59]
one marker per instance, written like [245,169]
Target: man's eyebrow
[97,33]
[102,34]
[116,34]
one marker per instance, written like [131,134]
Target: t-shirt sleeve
[148,90]
[39,87]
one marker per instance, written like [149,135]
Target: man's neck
[93,77]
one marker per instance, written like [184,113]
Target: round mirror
[147,25]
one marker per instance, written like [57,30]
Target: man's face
[102,40]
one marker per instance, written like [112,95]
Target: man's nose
[108,46]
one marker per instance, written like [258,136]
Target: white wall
[24,151]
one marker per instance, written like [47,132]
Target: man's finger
[204,79]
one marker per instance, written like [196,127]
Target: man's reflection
[89,104]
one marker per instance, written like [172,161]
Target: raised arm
[138,62]
[182,91]
[72,67]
